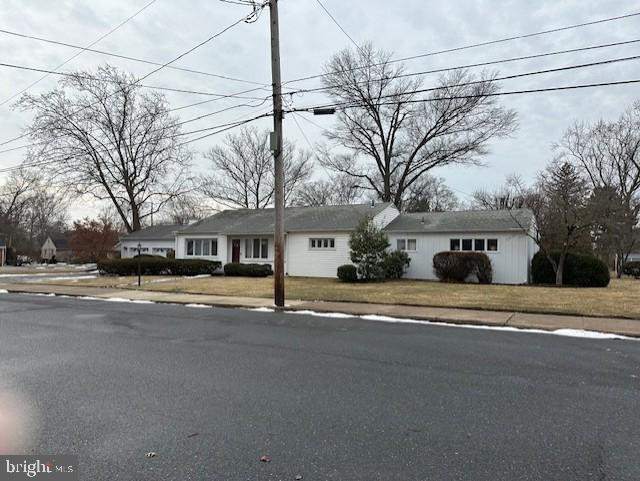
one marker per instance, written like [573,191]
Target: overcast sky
[309,37]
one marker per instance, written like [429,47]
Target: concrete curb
[518,320]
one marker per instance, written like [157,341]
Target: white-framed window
[409,245]
[477,244]
[202,247]
[256,248]
[324,243]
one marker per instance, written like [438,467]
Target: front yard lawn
[620,299]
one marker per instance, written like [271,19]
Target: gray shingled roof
[463,221]
[156,232]
[297,219]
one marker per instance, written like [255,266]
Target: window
[324,243]
[256,248]
[201,247]
[467,244]
[478,245]
[492,245]
[406,244]
[454,244]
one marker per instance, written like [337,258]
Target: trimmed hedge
[348,273]
[456,266]
[580,270]
[395,264]
[632,269]
[247,270]
[157,266]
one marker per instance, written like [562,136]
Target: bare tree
[242,170]
[339,189]
[15,196]
[30,210]
[513,194]
[608,154]
[184,209]
[395,133]
[109,140]
[430,194]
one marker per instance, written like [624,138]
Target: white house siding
[306,262]
[386,216]
[129,248]
[510,263]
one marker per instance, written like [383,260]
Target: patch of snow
[4,291]
[587,334]
[259,309]
[202,306]
[67,278]
[579,333]
[122,299]
[335,315]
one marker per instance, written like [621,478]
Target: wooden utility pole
[276,146]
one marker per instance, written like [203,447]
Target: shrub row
[247,270]
[157,266]
[455,266]
[632,269]
[580,270]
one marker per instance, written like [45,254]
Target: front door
[235,251]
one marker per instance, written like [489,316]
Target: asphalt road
[210,391]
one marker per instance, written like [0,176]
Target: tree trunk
[560,270]
[135,218]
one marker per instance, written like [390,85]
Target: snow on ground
[579,333]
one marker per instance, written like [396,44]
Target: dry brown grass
[620,299]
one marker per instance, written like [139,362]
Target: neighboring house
[58,248]
[3,251]
[157,240]
[317,238]
[498,233]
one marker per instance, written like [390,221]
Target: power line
[218,129]
[200,117]
[127,57]
[475,45]
[89,77]
[479,64]
[338,24]
[214,36]
[81,51]
[494,94]
[497,79]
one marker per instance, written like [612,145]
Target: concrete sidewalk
[549,322]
